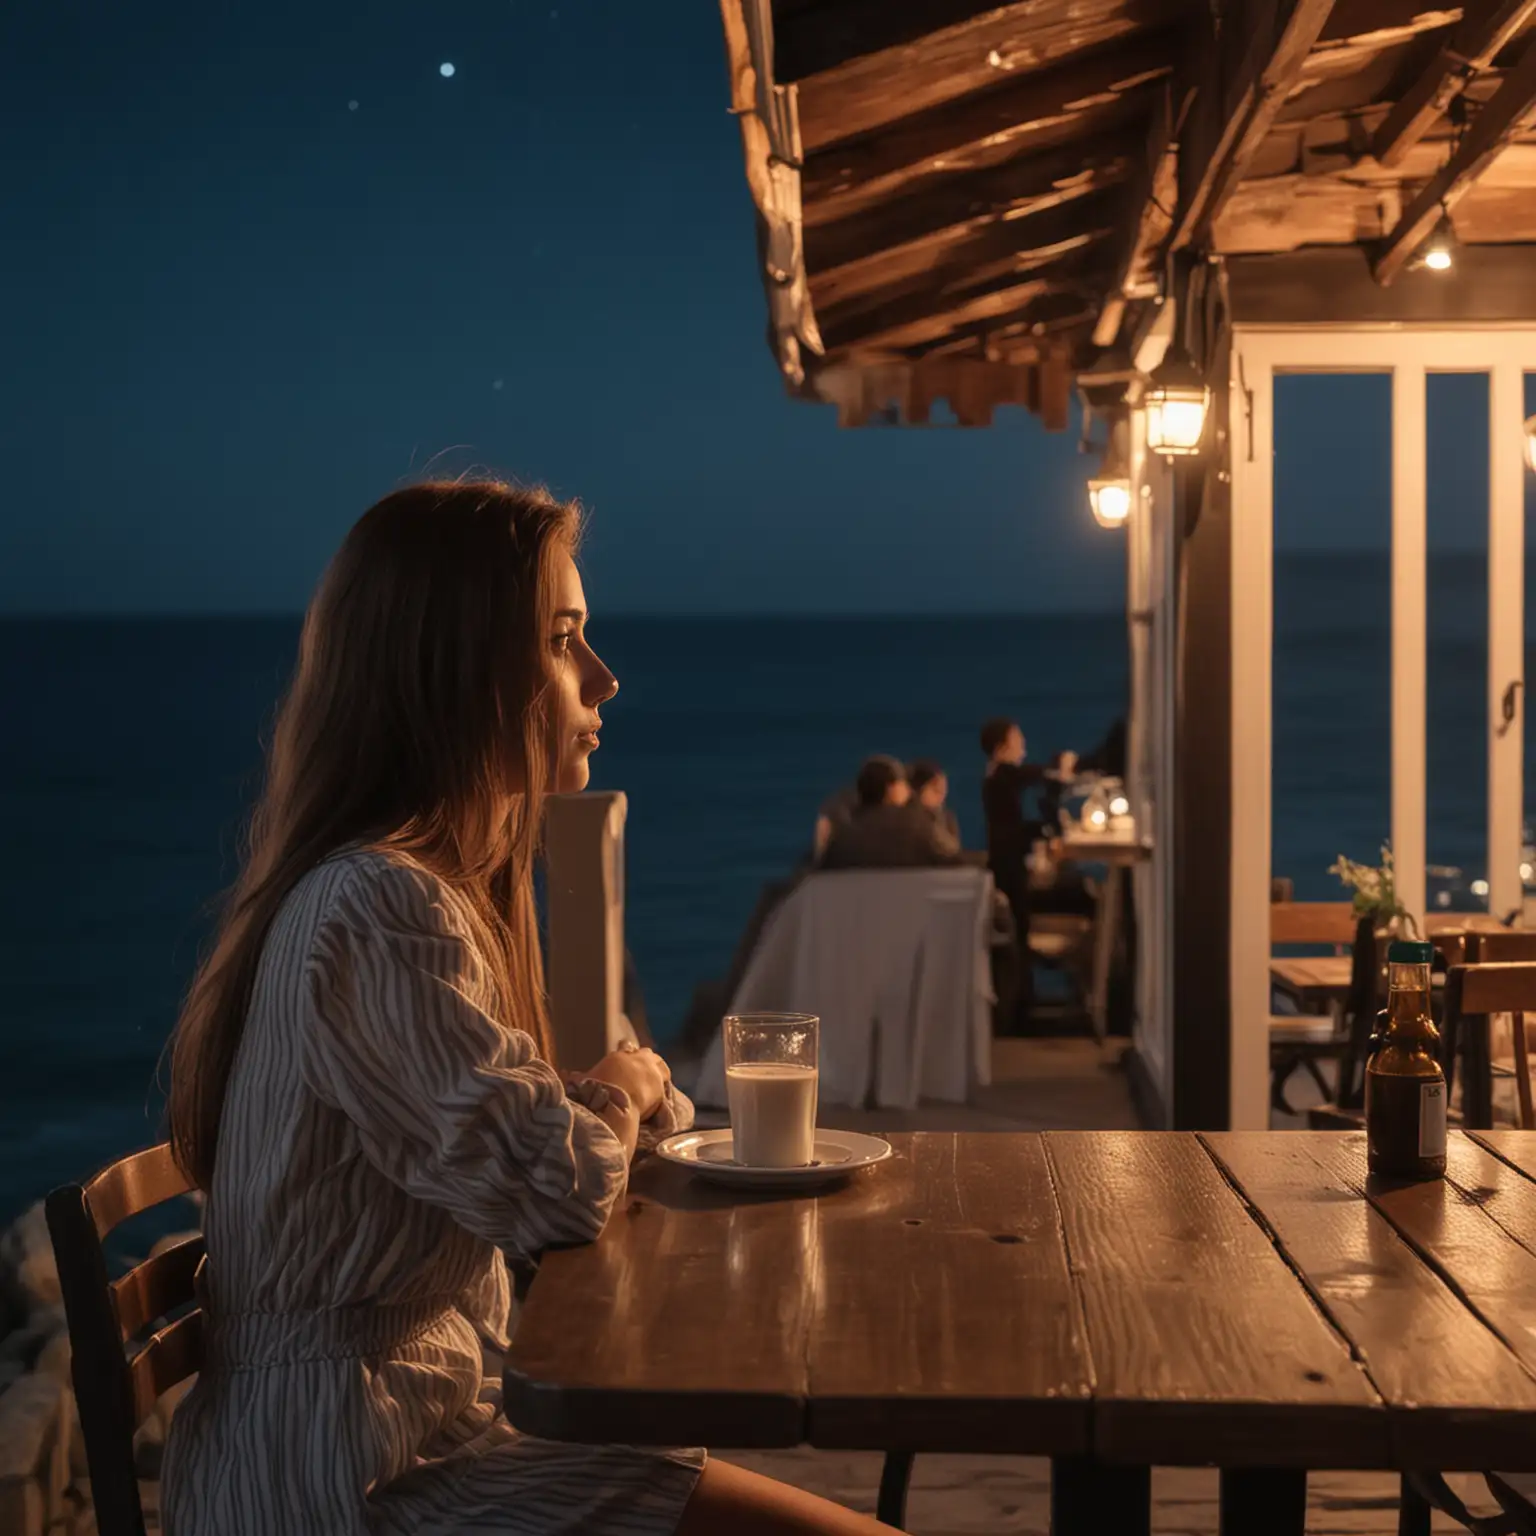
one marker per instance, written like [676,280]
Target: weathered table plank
[1206,1346]
[1477,1228]
[1456,1395]
[1249,1300]
[948,1318]
[1517,1148]
[685,1322]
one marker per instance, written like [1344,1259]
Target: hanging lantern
[1530,441]
[1109,491]
[1177,402]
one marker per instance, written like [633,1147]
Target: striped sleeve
[448,1104]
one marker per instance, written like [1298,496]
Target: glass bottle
[1404,1085]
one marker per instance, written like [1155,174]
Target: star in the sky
[446,71]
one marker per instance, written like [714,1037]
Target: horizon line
[205,615]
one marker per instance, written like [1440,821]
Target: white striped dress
[384,1139]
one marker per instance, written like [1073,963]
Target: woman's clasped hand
[640,1072]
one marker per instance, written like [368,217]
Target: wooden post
[1506,635]
[1251,816]
[1410,647]
[584,861]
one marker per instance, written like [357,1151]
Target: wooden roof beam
[1003,246]
[1386,22]
[811,37]
[1485,31]
[1026,103]
[925,316]
[1503,115]
[1002,255]
[963,204]
[1148,220]
[1040,326]
[1242,84]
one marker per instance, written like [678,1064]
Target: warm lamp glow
[1111,502]
[1109,491]
[1439,254]
[1119,806]
[1530,441]
[1096,818]
[1177,401]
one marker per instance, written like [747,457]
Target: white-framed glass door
[1408,355]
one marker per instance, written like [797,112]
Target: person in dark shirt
[1109,756]
[888,831]
[1011,832]
[836,811]
[1009,777]
[930,790]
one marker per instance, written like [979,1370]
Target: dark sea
[130,749]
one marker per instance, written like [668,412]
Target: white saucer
[837,1154]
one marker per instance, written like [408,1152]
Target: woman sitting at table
[362,1081]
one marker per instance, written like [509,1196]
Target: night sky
[263,263]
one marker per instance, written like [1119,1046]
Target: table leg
[1096,1498]
[1263,1501]
[891,1505]
[1105,935]
[1413,1511]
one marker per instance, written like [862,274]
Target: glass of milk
[770,1086]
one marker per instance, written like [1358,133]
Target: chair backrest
[1505,986]
[1500,944]
[1312,922]
[119,1374]
[1368,952]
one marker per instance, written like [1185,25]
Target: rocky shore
[44,1487]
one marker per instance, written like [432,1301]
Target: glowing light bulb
[1111,501]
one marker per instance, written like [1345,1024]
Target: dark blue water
[130,748]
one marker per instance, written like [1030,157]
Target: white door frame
[1408,353]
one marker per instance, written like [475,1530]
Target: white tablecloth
[895,964]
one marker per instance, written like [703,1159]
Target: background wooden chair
[1300,1041]
[1500,979]
[1363,1002]
[133,1338]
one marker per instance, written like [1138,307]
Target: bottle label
[1432,1118]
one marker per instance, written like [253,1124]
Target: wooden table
[1114,1300]
[1118,849]
[1323,979]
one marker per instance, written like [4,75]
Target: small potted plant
[1375,893]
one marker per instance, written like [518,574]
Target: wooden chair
[1364,1002]
[120,1374]
[1300,1041]
[1500,979]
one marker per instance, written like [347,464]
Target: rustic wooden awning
[967,201]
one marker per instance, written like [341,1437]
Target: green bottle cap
[1410,952]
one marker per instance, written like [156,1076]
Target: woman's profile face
[581,683]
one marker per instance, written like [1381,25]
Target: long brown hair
[419,708]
